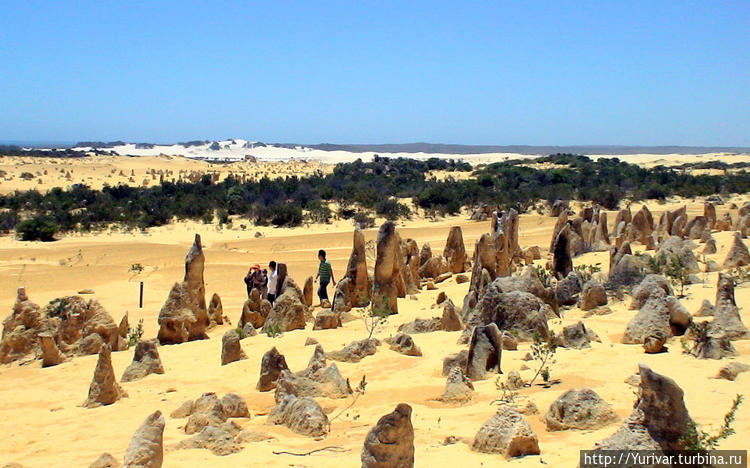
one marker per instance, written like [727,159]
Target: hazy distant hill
[519,149]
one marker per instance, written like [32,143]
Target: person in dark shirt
[325,275]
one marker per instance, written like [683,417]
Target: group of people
[266,280]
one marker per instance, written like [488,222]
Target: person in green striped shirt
[325,275]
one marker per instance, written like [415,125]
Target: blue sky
[555,72]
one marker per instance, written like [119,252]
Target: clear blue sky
[553,72]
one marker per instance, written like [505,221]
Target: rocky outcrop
[390,443]
[216,310]
[731,370]
[682,249]
[654,343]
[494,252]
[231,349]
[355,351]
[485,352]
[594,295]
[404,344]
[516,311]
[317,380]
[568,289]
[724,223]
[255,310]
[104,389]
[458,387]
[271,366]
[562,261]
[451,319]
[146,448]
[307,292]
[659,312]
[727,319]
[105,460]
[738,254]
[455,251]
[288,312]
[303,415]
[528,282]
[641,227]
[709,212]
[659,421]
[326,320]
[577,336]
[184,316]
[76,326]
[455,360]
[51,355]
[385,289]
[506,433]
[145,361]
[579,409]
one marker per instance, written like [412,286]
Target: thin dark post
[140,299]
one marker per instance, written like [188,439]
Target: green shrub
[41,229]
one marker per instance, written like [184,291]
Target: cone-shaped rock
[104,389]
[146,449]
[184,316]
[738,254]
[455,251]
[387,269]
[231,349]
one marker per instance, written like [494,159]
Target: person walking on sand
[273,277]
[325,274]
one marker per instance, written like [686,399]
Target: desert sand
[47,426]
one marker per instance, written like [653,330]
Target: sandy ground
[48,427]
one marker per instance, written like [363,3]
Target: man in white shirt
[272,280]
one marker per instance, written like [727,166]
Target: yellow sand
[46,426]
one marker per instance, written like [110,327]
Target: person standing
[273,277]
[325,275]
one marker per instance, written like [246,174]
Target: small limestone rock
[302,415]
[593,295]
[105,460]
[654,343]
[577,336]
[326,320]
[404,344]
[390,443]
[355,351]
[579,409]
[271,366]
[145,361]
[506,433]
[231,349]
[310,341]
[458,388]
[731,370]
[51,355]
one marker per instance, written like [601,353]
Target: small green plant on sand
[135,334]
[544,275]
[272,331]
[543,352]
[376,315]
[507,394]
[586,272]
[696,439]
